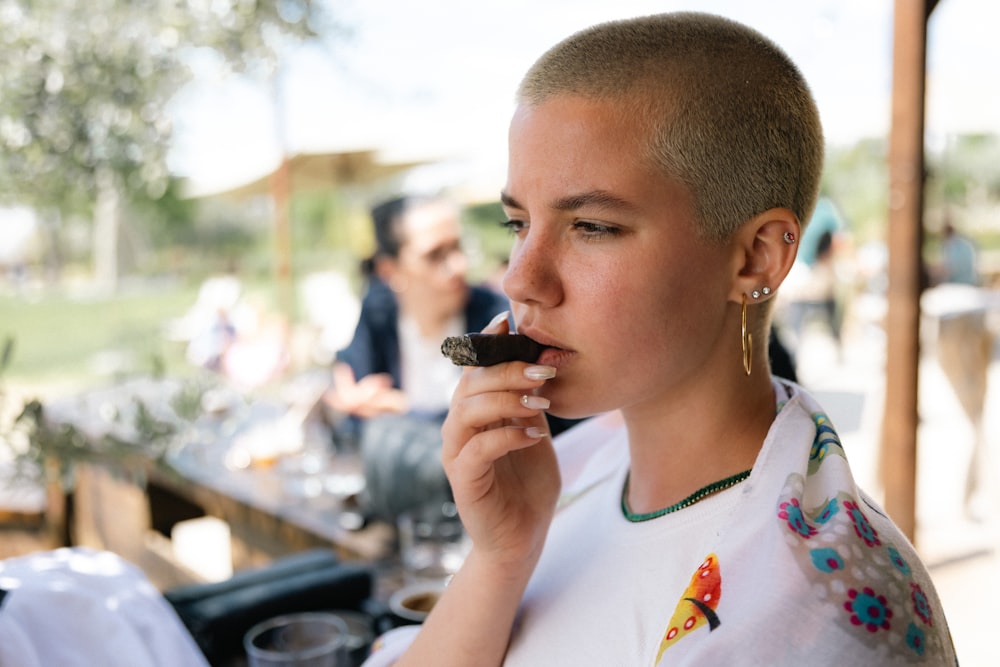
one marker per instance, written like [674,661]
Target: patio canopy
[317,171]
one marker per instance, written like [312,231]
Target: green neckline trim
[698,495]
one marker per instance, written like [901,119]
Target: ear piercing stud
[789,238]
[757,293]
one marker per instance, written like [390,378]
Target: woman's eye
[513,226]
[594,230]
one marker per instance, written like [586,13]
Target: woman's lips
[554,356]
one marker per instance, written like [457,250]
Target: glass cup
[308,639]
[413,602]
[360,634]
[432,543]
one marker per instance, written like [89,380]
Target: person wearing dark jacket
[418,295]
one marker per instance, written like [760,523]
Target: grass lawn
[66,342]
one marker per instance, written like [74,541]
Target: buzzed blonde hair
[729,113]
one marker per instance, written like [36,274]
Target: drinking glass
[308,639]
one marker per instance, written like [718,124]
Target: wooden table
[131,508]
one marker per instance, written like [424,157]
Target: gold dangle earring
[747,339]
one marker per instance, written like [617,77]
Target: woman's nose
[452,264]
[532,275]
[458,263]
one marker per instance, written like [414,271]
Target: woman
[660,171]
[391,382]
[419,295]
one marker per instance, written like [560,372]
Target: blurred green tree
[84,90]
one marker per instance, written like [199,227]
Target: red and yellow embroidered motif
[697,605]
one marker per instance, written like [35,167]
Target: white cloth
[428,377]
[794,566]
[77,607]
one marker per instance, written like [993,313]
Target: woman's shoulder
[857,571]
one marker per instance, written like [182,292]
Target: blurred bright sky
[435,79]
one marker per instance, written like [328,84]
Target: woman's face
[606,263]
[431,267]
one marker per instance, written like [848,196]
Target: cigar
[477,349]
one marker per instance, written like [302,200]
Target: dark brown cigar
[476,349]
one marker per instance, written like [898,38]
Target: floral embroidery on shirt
[828,512]
[826,560]
[915,639]
[861,525]
[896,559]
[792,513]
[920,604]
[870,582]
[868,609]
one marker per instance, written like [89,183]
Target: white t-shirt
[793,566]
[428,377]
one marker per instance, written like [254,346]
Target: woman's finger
[474,462]
[510,376]
[482,412]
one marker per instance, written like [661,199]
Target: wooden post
[906,200]
[281,196]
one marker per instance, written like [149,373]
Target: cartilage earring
[789,238]
[765,290]
[746,339]
[755,294]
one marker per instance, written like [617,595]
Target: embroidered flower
[897,560]
[861,525]
[915,639]
[827,560]
[829,511]
[792,514]
[868,609]
[920,604]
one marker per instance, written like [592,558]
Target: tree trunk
[50,221]
[107,227]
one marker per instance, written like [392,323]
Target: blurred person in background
[958,310]
[391,385]
[418,295]
[958,262]
[810,295]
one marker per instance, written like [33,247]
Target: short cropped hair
[729,113]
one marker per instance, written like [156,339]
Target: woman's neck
[694,442]
[428,324]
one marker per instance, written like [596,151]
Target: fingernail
[534,402]
[535,432]
[540,372]
[498,319]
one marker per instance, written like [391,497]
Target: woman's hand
[503,473]
[500,461]
[370,396]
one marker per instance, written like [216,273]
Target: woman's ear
[768,245]
[387,270]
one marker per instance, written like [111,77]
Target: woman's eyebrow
[597,198]
[507,200]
